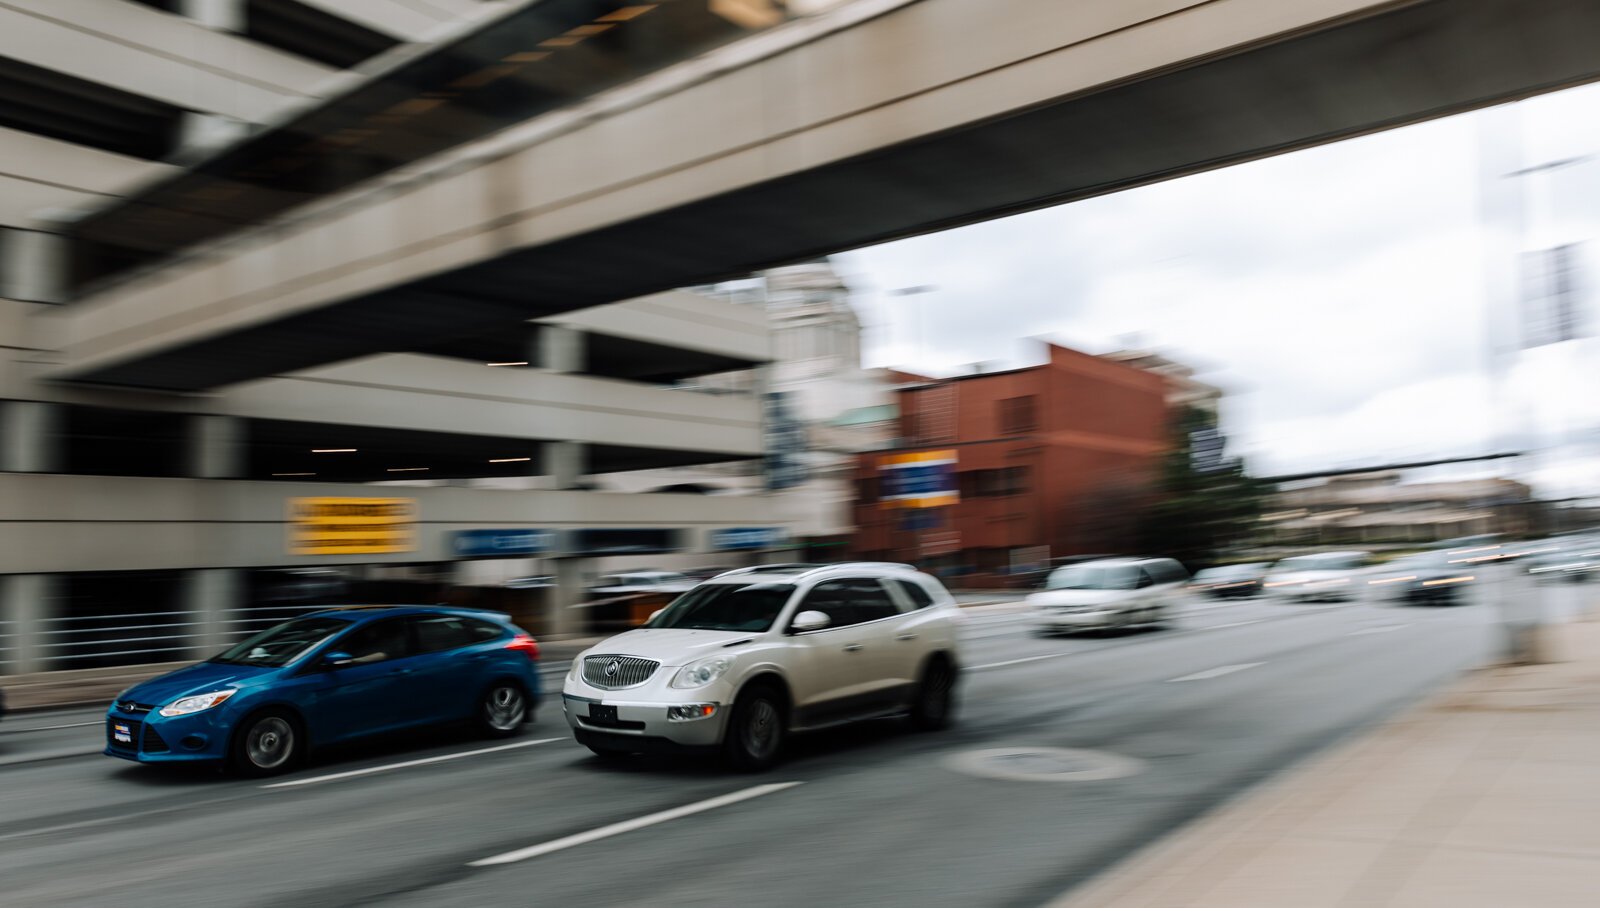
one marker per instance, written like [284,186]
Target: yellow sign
[352,526]
[919,479]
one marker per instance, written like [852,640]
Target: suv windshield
[278,646]
[726,607]
[1093,577]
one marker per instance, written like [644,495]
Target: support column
[27,603]
[566,462]
[215,447]
[211,597]
[33,265]
[30,437]
[560,616]
[222,15]
[561,349]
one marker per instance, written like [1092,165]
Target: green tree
[1204,504]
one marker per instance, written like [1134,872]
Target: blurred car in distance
[543,581]
[638,582]
[329,677]
[753,655]
[1113,593]
[1323,577]
[1230,581]
[1427,578]
[1573,558]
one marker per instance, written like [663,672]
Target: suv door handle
[853,648]
[906,637]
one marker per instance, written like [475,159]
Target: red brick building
[1044,457]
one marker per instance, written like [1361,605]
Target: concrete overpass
[870,121]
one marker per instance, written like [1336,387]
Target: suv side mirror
[809,621]
[337,659]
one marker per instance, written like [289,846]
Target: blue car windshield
[281,645]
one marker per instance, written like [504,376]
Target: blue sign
[503,543]
[746,538]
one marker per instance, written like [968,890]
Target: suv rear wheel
[935,696]
[756,730]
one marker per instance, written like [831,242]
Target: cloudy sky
[1338,294]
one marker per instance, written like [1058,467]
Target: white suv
[749,656]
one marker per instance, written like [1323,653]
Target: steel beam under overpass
[887,128]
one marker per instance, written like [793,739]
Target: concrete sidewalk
[1486,796]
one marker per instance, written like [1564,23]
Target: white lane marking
[18,731]
[583,838]
[1216,672]
[1218,627]
[1382,629]
[979,668]
[422,762]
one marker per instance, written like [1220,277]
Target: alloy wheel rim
[270,743]
[504,708]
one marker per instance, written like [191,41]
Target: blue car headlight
[195,704]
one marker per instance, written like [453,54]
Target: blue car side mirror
[337,660]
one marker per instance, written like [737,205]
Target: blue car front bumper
[153,738]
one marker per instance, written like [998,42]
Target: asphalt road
[873,815]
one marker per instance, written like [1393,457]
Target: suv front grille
[629,671]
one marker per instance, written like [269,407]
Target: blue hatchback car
[330,677]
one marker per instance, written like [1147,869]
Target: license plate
[122,734]
[600,712]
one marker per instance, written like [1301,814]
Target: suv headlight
[196,703]
[701,673]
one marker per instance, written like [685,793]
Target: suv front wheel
[756,729]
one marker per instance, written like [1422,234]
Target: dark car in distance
[329,677]
[1230,581]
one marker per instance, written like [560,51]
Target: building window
[995,483]
[866,491]
[1017,415]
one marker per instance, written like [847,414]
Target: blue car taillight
[526,645]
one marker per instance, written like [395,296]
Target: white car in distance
[1111,593]
[753,655]
[1324,577]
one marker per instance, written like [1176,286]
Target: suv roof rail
[804,568]
[786,568]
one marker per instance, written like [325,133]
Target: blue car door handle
[402,671]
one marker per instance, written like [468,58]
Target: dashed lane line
[604,832]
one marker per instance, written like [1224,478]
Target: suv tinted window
[870,601]
[437,633]
[377,641]
[832,598]
[916,592]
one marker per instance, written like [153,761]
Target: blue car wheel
[267,743]
[503,709]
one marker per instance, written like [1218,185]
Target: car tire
[266,743]
[757,727]
[503,710]
[934,703]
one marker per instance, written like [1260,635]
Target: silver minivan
[1109,593]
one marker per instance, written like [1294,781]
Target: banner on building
[741,539]
[921,479]
[504,543]
[352,526]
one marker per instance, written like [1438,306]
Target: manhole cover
[1044,764]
